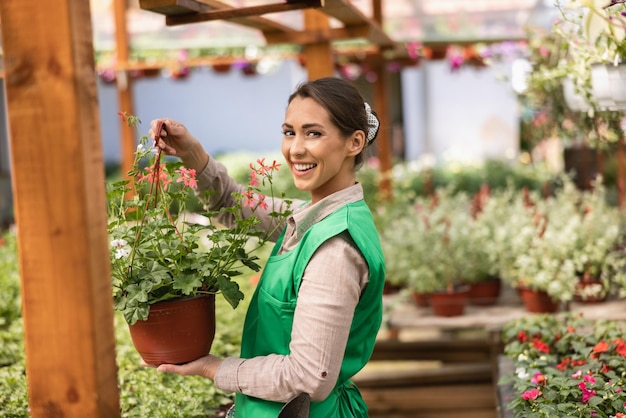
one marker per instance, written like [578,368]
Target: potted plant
[565,365]
[546,266]
[481,270]
[432,260]
[162,253]
[598,257]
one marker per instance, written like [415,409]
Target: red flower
[522,336]
[541,346]
[564,364]
[620,347]
[601,347]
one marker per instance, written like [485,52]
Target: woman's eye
[313,134]
[287,132]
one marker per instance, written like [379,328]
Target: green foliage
[143,391]
[566,365]
[161,251]
[9,281]
[411,180]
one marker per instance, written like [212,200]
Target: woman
[313,319]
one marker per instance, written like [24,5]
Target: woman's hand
[175,139]
[204,366]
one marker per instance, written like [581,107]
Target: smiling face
[321,160]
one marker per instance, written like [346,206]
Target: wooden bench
[434,378]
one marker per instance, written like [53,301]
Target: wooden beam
[320,35]
[173,7]
[349,15]
[232,13]
[59,202]
[253,22]
[318,56]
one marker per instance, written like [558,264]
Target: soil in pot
[176,331]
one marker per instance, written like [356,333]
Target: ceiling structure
[424,21]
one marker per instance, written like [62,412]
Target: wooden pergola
[58,177]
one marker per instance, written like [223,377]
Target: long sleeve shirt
[330,289]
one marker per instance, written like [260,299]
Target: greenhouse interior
[367,208]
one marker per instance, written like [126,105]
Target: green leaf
[230,290]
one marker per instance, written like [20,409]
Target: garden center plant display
[562,239]
[566,365]
[549,241]
[161,252]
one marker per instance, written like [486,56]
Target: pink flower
[538,379]
[248,198]
[151,175]
[531,394]
[187,177]
[261,201]
[254,181]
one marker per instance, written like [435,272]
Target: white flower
[521,372]
[122,253]
[119,243]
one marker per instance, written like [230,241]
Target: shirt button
[324,374]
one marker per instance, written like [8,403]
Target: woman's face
[321,160]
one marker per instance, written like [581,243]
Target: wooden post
[381,89]
[58,179]
[620,172]
[124,88]
[319,55]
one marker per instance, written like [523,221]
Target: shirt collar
[305,216]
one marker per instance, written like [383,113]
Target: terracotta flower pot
[485,293]
[590,291]
[176,331]
[421,299]
[449,303]
[537,301]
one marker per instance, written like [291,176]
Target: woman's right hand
[175,139]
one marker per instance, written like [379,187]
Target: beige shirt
[331,287]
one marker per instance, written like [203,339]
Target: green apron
[267,328]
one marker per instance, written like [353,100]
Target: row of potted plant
[565,365]
[548,243]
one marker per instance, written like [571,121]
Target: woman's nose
[297,147]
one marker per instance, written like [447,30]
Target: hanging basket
[608,85]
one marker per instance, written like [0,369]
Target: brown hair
[344,104]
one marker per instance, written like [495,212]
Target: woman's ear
[356,143]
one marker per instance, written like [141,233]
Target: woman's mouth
[301,168]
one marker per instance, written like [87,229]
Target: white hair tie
[372,124]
